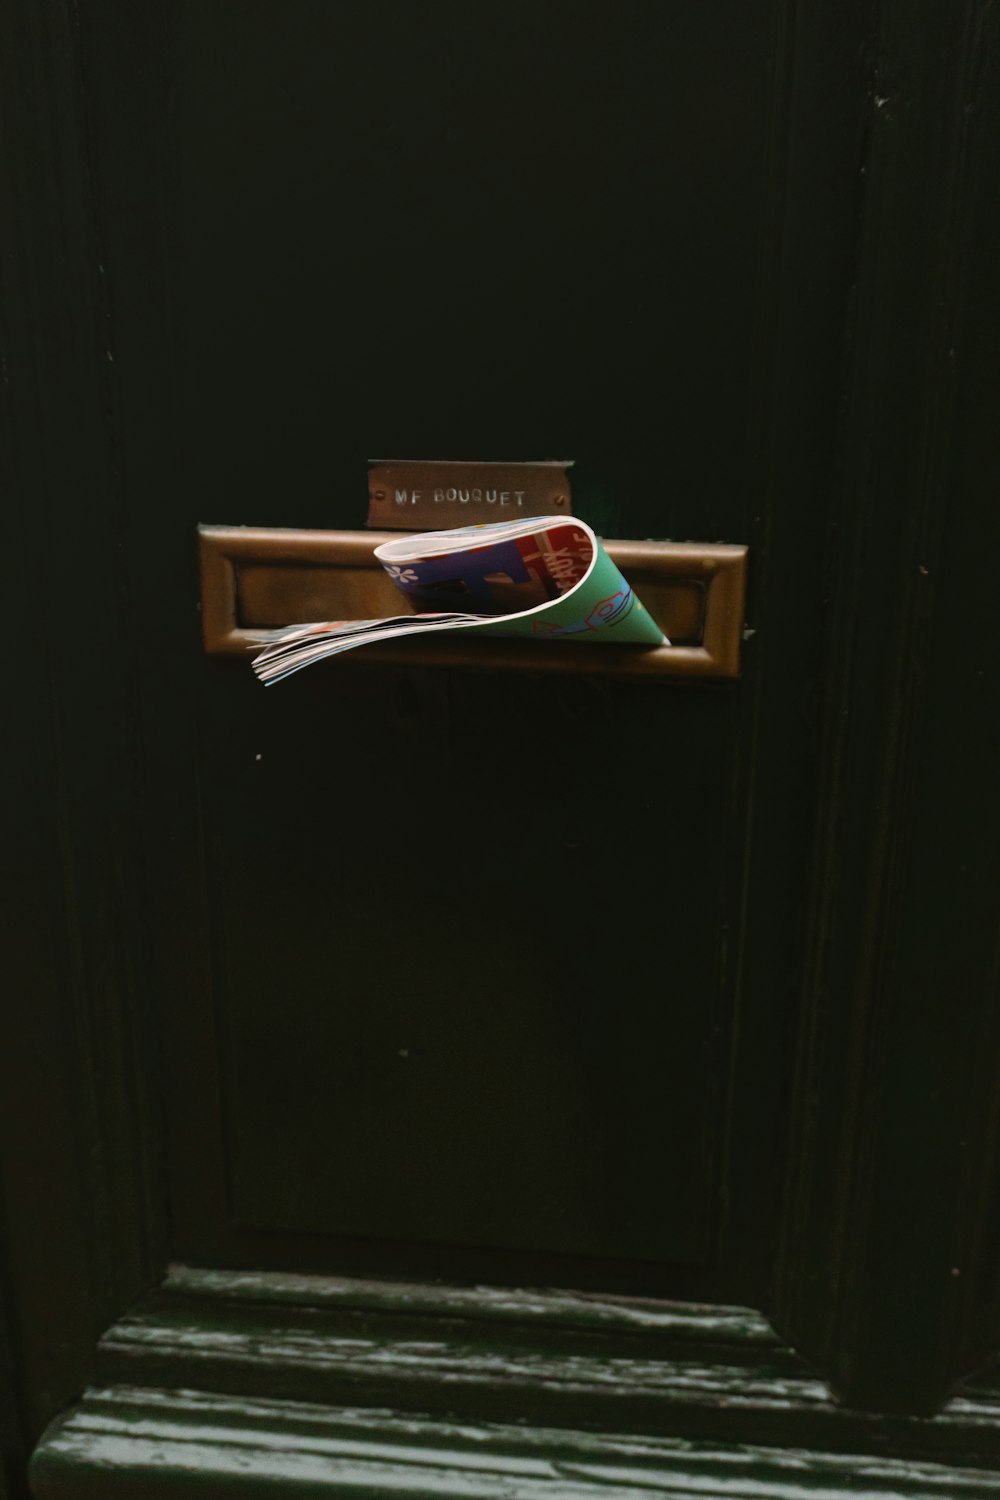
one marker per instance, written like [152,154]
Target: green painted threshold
[151,1444]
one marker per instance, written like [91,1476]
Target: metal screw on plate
[559,500]
[378,495]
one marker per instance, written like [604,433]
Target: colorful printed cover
[544,578]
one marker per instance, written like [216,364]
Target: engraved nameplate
[425,496]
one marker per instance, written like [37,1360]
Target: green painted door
[389,977]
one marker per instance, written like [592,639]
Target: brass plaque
[425,496]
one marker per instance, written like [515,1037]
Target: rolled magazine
[547,579]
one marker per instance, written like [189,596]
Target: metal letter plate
[424,496]
[255,579]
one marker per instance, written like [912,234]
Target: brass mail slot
[253,579]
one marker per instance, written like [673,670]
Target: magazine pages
[545,578]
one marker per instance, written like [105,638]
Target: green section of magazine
[603,608]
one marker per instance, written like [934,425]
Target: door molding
[887,1272]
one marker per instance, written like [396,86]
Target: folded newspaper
[546,578]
